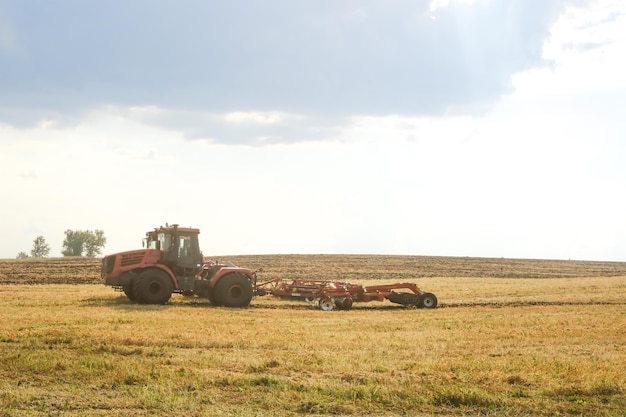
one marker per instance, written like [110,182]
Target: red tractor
[171,262]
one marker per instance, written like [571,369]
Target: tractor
[171,262]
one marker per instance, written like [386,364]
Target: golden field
[511,338]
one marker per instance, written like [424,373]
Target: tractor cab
[179,248]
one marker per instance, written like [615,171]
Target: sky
[489,128]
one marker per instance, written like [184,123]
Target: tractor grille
[132,259]
[107,264]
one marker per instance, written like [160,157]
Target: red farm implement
[330,295]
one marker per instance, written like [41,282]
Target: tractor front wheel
[232,290]
[128,290]
[152,287]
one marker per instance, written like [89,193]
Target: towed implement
[171,262]
[330,295]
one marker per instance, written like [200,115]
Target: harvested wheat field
[510,338]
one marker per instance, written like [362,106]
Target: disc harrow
[338,295]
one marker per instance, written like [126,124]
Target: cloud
[295,70]
[239,127]
[7,38]
[28,175]
[144,155]
[585,46]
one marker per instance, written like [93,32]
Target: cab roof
[171,228]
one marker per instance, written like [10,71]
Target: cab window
[165,241]
[184,246]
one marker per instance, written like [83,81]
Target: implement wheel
[232,290]
[344,303]
[326,304]
[428,300]
[152,286]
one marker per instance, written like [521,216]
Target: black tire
[153,287]
[428,300]
[344,303]
[128,290]
[212,299]
[232,290]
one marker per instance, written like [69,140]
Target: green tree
[78,241]
[22,255]
[40,248]
[73,243]
[94,243]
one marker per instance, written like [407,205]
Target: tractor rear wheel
[232,290]
[153,287]
[428,300]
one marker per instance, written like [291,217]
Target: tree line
[76,243]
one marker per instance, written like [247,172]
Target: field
[511,338]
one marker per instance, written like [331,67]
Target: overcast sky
[492,128]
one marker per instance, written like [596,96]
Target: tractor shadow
[260,303]
[123,303]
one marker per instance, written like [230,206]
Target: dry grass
[498,346]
